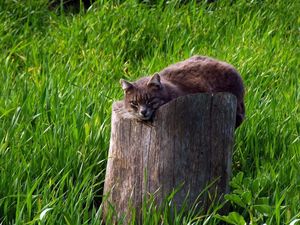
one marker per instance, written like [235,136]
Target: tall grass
[59,76]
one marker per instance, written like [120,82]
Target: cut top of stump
[191,106]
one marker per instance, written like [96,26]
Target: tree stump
[188,144]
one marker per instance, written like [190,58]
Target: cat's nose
[143,112]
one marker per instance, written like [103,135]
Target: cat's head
[144,96]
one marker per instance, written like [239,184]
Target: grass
[59,76]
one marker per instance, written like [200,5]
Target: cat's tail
[240,114]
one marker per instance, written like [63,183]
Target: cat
[194,75]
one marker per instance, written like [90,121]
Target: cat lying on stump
[198,74]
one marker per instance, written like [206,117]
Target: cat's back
[195,64]
[204,74]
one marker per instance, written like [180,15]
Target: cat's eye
[133,104]
[149,103]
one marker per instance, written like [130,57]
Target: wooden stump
[189,143]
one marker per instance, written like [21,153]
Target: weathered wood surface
[189,142]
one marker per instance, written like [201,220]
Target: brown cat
[194,75]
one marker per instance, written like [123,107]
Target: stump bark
[188,144]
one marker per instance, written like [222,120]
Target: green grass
[59,76]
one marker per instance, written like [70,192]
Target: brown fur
[194,75]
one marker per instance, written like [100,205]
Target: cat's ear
[154,81]
[126,85]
